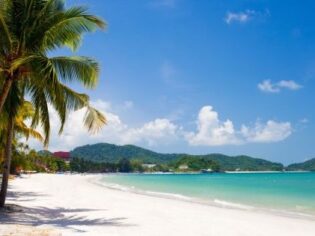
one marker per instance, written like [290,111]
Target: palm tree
[32,28]
[7,138]
[29,30]
[26,111]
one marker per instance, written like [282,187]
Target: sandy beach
[74,205]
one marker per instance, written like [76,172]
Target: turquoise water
[290,192]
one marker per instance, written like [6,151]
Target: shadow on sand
[58,217]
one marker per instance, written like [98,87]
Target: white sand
[72,205]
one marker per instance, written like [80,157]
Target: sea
[283,192]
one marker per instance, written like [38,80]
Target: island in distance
[139,159]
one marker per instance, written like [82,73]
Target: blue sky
[235,77]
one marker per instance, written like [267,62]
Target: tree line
[125,165]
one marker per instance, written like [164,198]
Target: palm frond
[81,69]
[22,128]
[67,27]
[94,120]
[29,29]
[41,114]
[68,100]
[68,69]
[5,36]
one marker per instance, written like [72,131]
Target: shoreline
[66,204]
[199,172]
[220,203]
[267,172]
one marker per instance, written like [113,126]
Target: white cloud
[289,84]
[102,105]
[245,16]
[241,17]
[213,132]
[269,87]
[156,132]
[272,131]
[152,132]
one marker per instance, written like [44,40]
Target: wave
[210,202]
[138,191]
[214,202]
[232,205]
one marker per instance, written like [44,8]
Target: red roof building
[62,155]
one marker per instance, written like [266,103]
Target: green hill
[307,165]
[243,162]
[45,153]
[104,152]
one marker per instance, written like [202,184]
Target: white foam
[151,193]
[169,195]
[232,205]
[214,202]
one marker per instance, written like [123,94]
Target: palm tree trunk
[7,162]
[5,91]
